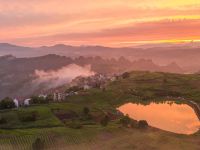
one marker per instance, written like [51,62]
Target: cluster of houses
[82,83]
[95,81]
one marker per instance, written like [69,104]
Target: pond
[169,116]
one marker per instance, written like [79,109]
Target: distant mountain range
[185,55]
[17,74]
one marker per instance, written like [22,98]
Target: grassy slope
[46,118]
[154,86]
[111,137]
[144,87]
[139,87]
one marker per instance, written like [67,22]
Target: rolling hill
[17,75]
[185,55]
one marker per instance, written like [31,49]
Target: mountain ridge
[184,56]
[17,74]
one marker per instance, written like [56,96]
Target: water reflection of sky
[178,118]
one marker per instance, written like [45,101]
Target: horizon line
[135,44]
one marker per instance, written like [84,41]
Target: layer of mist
[55,78]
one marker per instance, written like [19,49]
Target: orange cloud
[148,31]
[107,23]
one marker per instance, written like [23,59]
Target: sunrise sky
[99,22]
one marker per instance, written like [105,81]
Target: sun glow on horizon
[114,23]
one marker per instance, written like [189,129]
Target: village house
[16,101]
[71,93]
[86,87]
[85,83]
[95,81]
[27,102]
[42,95]
[58,96]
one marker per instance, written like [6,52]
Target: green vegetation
[30,117]
[91,120]
[142,124]
[102,137]
[75,124]
[86,111]
[7,103]
[38,144]
[104,121]
[125,121]
[3,120]
[40,100]
[125,75]
[145,87]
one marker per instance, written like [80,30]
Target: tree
[7,103]
[134,124]
[28,116]
[38,144]
[75,124]
[104,121]
[125,75]
[38,100]
[142,124]
[49,98]
[125,120]
[86,111]
[3,120]
[73,89]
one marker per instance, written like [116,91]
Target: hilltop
[185,55]
[19,74]
[64,124]
[149,86]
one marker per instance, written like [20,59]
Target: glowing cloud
[62,76]
[28,22]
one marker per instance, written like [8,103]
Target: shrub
[28,116]
[104,121]
[125,75]
[86,114]
[3,120]
[39,100]
[38,144]
[164,80]
[125,120]
[86,110]
[49,98]
[134,124]
[142,124]
[74,124]
[86,117]
[7,103]
[73,89]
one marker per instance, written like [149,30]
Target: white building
[113,78]
[16,103]
[27,102]
[58,96]
[86,87]
[43,95]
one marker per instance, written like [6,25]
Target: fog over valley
[185,55]
[44,72]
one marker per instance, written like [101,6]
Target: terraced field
[54,120]
[107,138]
